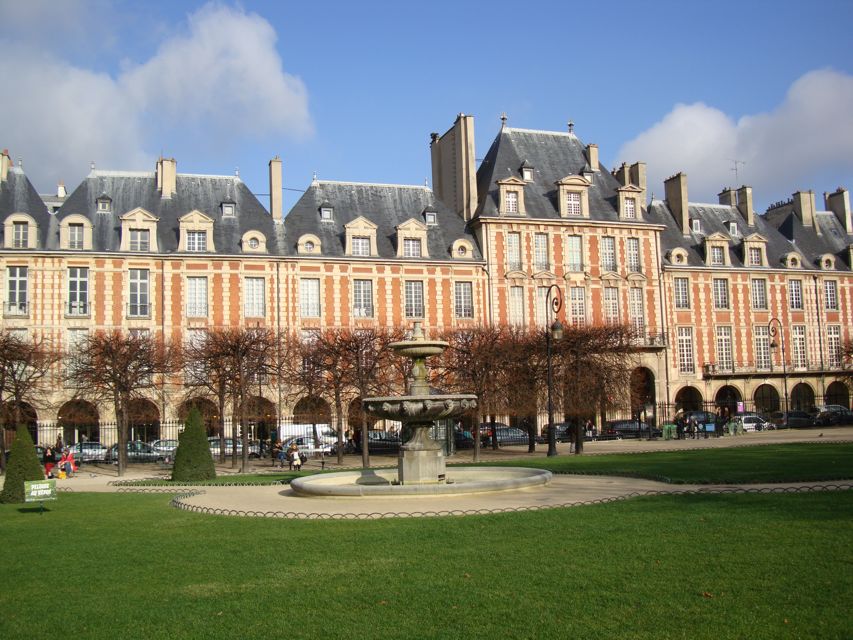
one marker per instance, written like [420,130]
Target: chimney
[804,207]
[727,197]
[60,190]
[275,189]
[675,190]
[744,205]
[454,169]
[5,164]
[622,174]
[592,156]
[839,203]
[167,177]
[638,177]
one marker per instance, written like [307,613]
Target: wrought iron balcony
[15,310]
[138,310]
[77,309]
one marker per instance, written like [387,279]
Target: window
[227,210]
[717,256]
[196,241]
[411,247]
[194,339]
[78,291]
[254,243]
[830,295]
[513,251]
[464,300]
[759,293]
[577,306]
[16,291]
[795,294]
[573,203]
[309,297]
[75,236]
[574,255]
[697,226]
[362,298]
[761,335]
[833,345]
[685,350]
[721,293]
[542,310]
[724,349]
[76,339]
[608,254]
[527,174]
[733,230]
[611,305]
[511,202]
[139,306]
[140,239]
[516,306]
[21,235]
[632,248]
[798,338]
[326,214]
[540,251]
[309,246]
[431,218]
[254,300]
[197,297]
[630,207]
[682,293]
[104,205]
[755,257]
[361,246]
[638,314]
[414,299]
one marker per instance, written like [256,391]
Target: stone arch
[802,397]
[643,393]
[28,418]
[79,419]
[766,399]
[311,410]
[728,397]
[261,416]
[838,393]
[143,418]
[355,413]
[688,399]
[207,409]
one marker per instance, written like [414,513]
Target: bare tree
[334,356]
[522,374]
[117,366]
[25,368]
[299,364]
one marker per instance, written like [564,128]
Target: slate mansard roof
[826,236]
[553,156]
[17,195]
[130,190]
[385,205]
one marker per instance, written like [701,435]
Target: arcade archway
[802,397]
[727,398]
[688,399]
[207,409]
[261,416]
[766,399]
[837,393]
[78,420]
[143,418]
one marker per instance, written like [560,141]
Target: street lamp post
[774,328]
[554,332]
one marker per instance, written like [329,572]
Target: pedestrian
[295,458]
[278,453]
[49,462]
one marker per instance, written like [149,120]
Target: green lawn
[709,566]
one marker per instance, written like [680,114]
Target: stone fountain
[421,458]
[421,468]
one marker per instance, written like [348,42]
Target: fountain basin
[383,482]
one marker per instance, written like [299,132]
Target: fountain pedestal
[421,458]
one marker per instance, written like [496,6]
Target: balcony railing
[541,266]
[138,310]
[77,309]
[649,340]
[196,311]
[514,265]
[15,309]
[362,312]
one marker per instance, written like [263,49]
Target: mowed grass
[696,566]
[794,462]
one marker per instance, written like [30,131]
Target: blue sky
[353,90]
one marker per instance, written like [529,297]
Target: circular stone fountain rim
[333,484]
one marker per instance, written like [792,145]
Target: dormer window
[21,235]
[573,197]
[361,246]
[630,208]
[733,230]
[573,203]
[511,196]
[327,212]
[254,243]
[461,251]
[196,233]
[527,171]
[411,248]
[140,240]
[105,204]
[827,262]
[309,246]
[431,218]
[697,226]
[196,241]
[717,256]
[228,209]
[511,204]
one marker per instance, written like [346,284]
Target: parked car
[89,452]
[137,451]
[382,442]
[166,447]
[630,429]
[505,435]
[830,418]
[463,439]
[308,445]
[39,452]
[830,408]
[753,422]
[792,419]
[254,448]
[564,432]
[486,430]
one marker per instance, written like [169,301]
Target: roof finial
[314,179]
[426,182]
[237,171]
[503,119]
[571,126]
[92,165]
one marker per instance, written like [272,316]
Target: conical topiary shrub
[23,465]
[193,460]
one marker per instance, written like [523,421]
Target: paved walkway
[564,490]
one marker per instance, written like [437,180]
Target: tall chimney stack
[744,205]
[638,177]
[727,197]
[454,167]
[61,192]
[804,207]
[275,189]
[592,156]
[675,190]
[5,164]
[167,177]
[839,203]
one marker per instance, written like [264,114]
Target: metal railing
[15,309]
[138,310]
[77,309]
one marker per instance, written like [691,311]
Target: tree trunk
[578,437]
[365,454]
[221,400]
[494,433]
[476,432]
[121,423]
[339,426]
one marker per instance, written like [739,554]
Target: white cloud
[809,133]
[223,79]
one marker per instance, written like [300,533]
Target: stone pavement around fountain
[564,490]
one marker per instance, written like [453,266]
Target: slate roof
[129,190]
[778,227]
[553,156]
[385,205]
[17,195]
